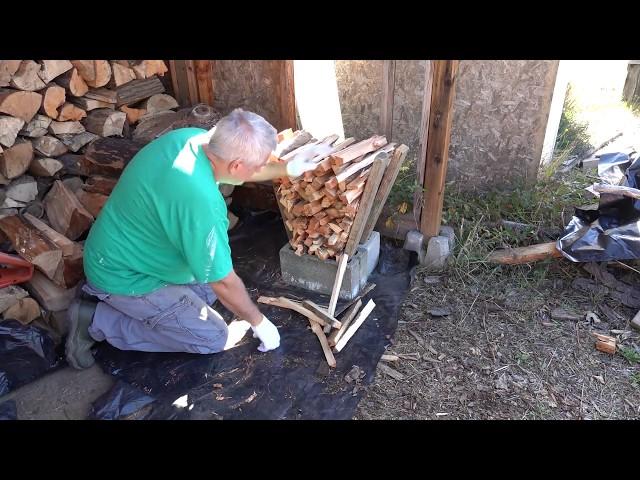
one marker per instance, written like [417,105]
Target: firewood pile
[331,209]
[67,130]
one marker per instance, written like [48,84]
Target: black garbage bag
[612,231]
[121,402]
[291,382]
[612,167]
[26,353]
[8,410]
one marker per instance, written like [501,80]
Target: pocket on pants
[170,314]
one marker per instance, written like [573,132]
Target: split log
[605,343]
[51,296]
[93,202]
[109,156]
[347,318]
[328,319]
[37,127]
[76,142]
[11,294]
[9,128]
[26,77]
[96,73]
[7,69]
[66,213]
[121,74]
[89,104]
[100,184]
[105,122]
[69,111]
[49,146]
[54,98]
[32,245]
[23,105]
[103,95]
[24,311]
[150,126]
[133,114]
[65,128]
[14,161]
[358,150]
[73,83]
[23,189]
[45,167]
[73,184]
[148,68]
[53,68]
[73,164]
[159,103]
[137,90]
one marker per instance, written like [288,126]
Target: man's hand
[268,335]
[303,161]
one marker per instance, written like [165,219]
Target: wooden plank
[533,253]
[192,84]
[388,88]
[328,354]
[388,179]
[424,136]
[204,80]
[337,284]
[178,91]
[366,202]
[347,318]
[439,135]
[362,316]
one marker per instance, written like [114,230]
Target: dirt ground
[499,355]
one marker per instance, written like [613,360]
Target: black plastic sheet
[612,231]
[121,402]
[291,382]
[26,353]
[8,410]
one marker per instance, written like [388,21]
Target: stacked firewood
[329,210]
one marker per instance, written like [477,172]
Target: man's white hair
[243,135]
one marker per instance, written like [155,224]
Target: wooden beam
[439,135]
[204,81]
[287,97]
[192,84]
[366,202]
[533,253]
[176,81]
[388,179]
[388,88]
[424,136]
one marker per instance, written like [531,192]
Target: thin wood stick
[337,284]
[362,316]
[291,305]
[347,318]
[328,354]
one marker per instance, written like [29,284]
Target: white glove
[268,335]
[303,161]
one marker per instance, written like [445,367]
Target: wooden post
[287,97]
[439,135]
[204,80]
[424,134]
[388,88]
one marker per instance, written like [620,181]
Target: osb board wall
[499,121]
[248,84]
[500,114]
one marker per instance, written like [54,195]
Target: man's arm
[269,172]
[233,295]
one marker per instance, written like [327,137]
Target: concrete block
[371,249]
[438,252]
[447,231]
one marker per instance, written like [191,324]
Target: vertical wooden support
[424,134]
[287,97]
[204,80]
[388,88]
[439,136]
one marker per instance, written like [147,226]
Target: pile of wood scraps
[322,320]
[330,210]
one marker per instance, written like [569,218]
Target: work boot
[79,342]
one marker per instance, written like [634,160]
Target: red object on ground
[14,269]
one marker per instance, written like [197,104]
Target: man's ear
[233,167]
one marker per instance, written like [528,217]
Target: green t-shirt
[164,223]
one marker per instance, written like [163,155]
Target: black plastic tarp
[291,382]
[612,231]
[8,410]
[26,353]
[121,402]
